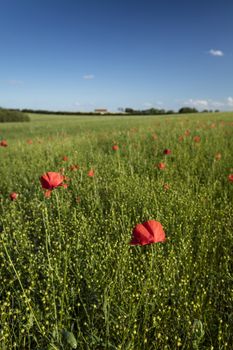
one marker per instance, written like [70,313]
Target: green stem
[23,290]
[47,247]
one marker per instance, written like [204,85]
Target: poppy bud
[3,143]
[196,139]
[161,166]
[167,151]
[91,173]
[115,147]
[13,196]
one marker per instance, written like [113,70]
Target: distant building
[101,110]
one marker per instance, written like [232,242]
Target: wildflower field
[117,233]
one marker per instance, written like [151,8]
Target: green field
[70,279]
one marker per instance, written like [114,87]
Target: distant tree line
[150,111]
[44,111]
[21,114]
[155,111]
[128,111]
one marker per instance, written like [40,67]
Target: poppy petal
[141,236]
[156,230]
[47,194]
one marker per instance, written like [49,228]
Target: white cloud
[88,77]
[216,104]
[198,103]
[156,104]
[207,104]
[218,53]
[230,101]
[147,104]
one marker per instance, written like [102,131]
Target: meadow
[69,278]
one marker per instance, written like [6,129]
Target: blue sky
[87,54]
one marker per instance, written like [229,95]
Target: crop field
[73,193]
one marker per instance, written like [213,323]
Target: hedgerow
[8,116]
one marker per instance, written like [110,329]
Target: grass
[69,278]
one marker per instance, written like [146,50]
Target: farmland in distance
[69,277]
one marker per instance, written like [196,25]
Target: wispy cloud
[218,53]
[216,104]
[85,106]
[147,104]
[207,104]
[157,104]
[77,104]
[230,101]
[88,77]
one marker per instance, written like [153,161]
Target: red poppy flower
[74,167]
[161,166]
[187,132]
[13,196]
[181,138]
[196,139]
[115,147]
[147,233]
[230,177]
[167,151]
[3,143]
[30,142]
[65,158]
[91,173]
[51,180]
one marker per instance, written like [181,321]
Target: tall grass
[69,278]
